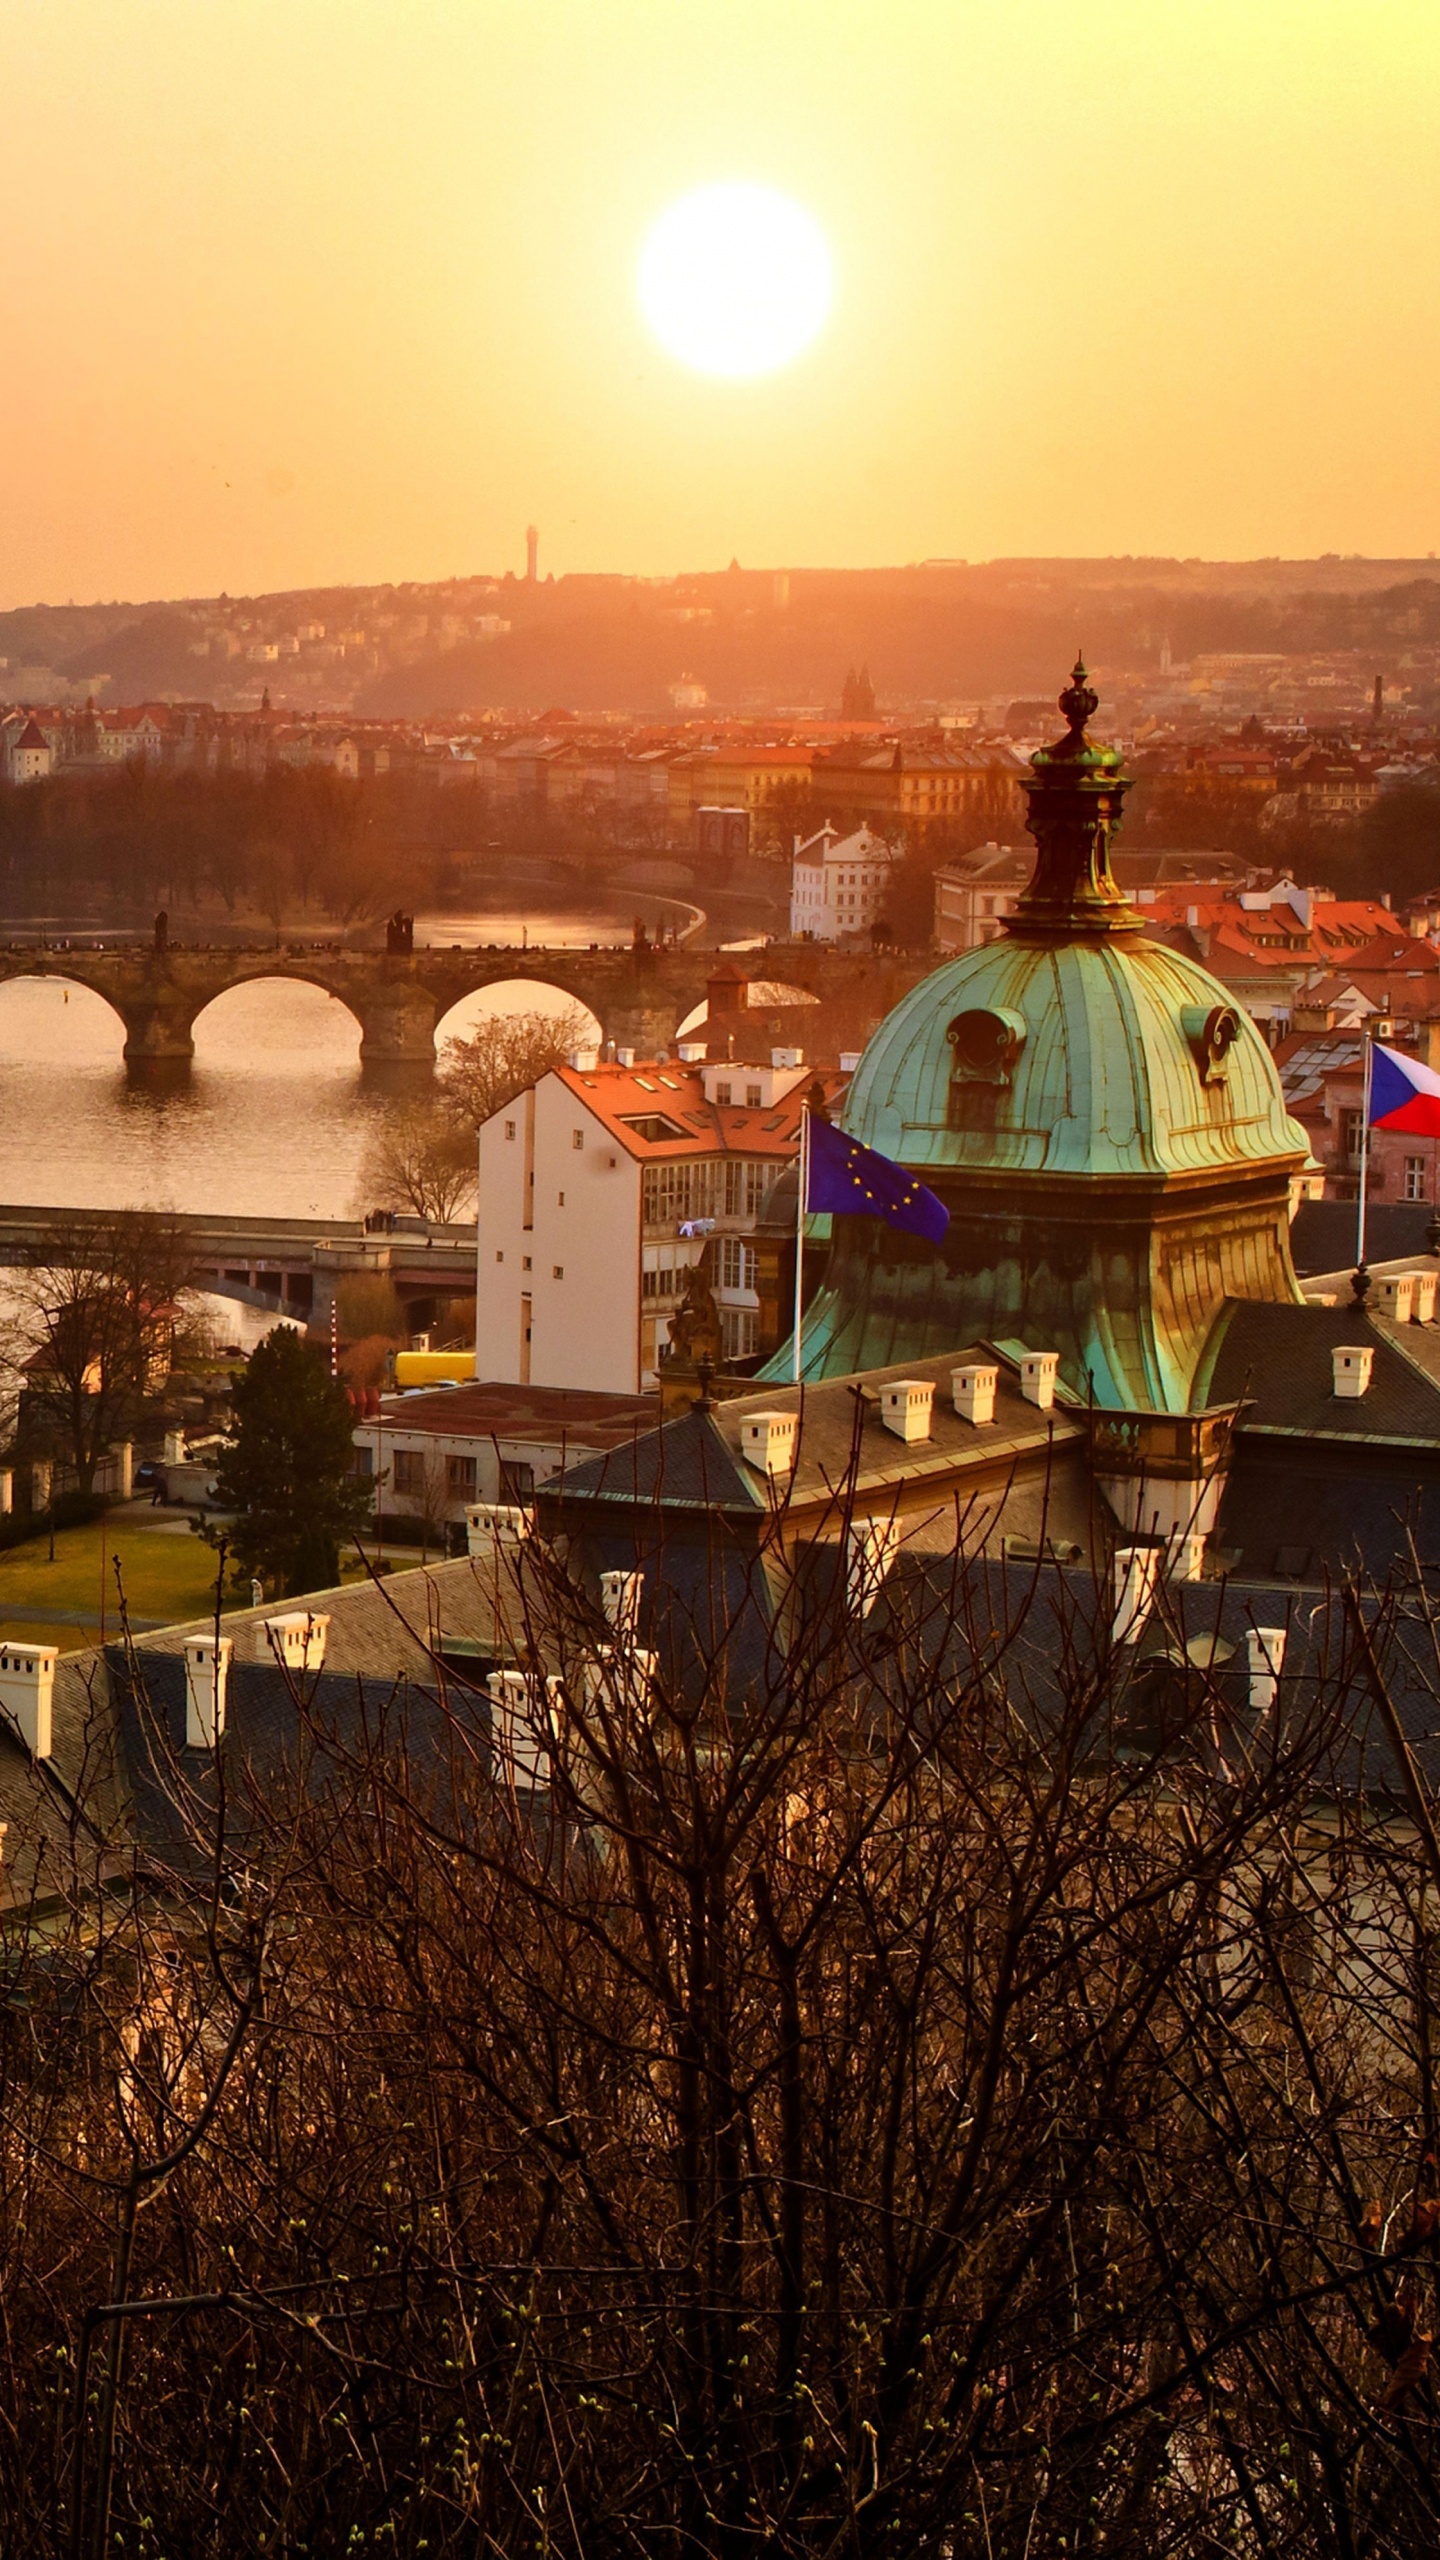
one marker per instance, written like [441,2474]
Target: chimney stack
[1037,1378]
[207,1681]
[973,1388]
[1351,1364]
[27,1691]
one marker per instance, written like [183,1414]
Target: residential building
[923,788]
[839,885]
[975,894]
[601,1188]
[432,1453]
[31,757]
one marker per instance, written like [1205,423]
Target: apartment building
[839,885]
[601,1187]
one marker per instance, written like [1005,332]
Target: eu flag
[844,1175]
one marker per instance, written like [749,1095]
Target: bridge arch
[65,979]
[509,995]
[315,1024]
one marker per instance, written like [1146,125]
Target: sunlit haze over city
[350,290]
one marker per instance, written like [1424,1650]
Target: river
[275,1114]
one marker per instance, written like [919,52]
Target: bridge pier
[397,1029]
[159,1028]
[645,1028]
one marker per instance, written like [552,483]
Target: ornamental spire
[1076,798]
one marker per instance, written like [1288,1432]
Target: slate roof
[694,1463]
[1322,1236]
[489,1410]
[1279,1359]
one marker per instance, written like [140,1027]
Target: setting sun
[736,279]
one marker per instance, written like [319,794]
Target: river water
[275,1114]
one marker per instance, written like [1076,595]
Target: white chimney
[849,1061]
[1264,1654]
[1423,1310]
[1394,1295]
[584,1061]
[767,1442]
[174,1448]
[27,1692]
[496,1524]
[620,1600]
[1185,1554]
[973,1388]
[869,1552]
[906,1405]
[624,1057]
[1352,1363]
[296,1640]
[787,1058]
[1136,1571]
[521,1725]
[207,1682]
[1037,1378]
[691,1053]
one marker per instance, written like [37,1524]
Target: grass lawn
[168,1574]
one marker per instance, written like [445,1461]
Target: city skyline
[357,292]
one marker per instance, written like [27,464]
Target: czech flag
[1403,1095]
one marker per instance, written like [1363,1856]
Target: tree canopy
[288,1476]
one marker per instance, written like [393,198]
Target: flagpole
[1364,1157]
[800,1226]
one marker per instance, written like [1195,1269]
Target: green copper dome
[1108,1057]
[1104,1125]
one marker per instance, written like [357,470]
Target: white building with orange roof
[600,1187]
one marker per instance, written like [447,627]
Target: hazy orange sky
[312,290]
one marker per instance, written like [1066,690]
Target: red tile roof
[618,1095]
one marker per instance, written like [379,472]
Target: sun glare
[736,279]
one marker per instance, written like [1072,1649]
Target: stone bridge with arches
[639,997]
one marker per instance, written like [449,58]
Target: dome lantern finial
[1076,798]
[1079,701]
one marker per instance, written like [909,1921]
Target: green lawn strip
[169,1576]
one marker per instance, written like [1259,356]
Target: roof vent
[767,1442]
[522,1725]
[1394,1295]
[1264,1653]
[973,1388]
[1426,1283]
[1136,1571]
[1037,1378]
[620,1600]
[297,1639]
[495,1524]
[27,1691]
[1352,1363]
[906,1405]
[207,1681]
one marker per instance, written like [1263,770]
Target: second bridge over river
[638,996]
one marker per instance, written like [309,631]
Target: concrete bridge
[638,996]
[291,1265]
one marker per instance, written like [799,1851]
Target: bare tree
[421,1160]
[93,1325]
[906,2074]
[502,1056]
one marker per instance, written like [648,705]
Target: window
[525,1261]
[1354,1128]
[752,1097]
[460,1479]
[557,1270]
[499,1257]
[559,1199]
[577,1137]
[723,1092]
[509,1128]
[1414,1177]
[365,1461]
[737,1264]
[517,1480]
[409,1472]
[739,1332]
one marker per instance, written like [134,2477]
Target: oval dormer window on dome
[1212,1032]
[984,1042]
